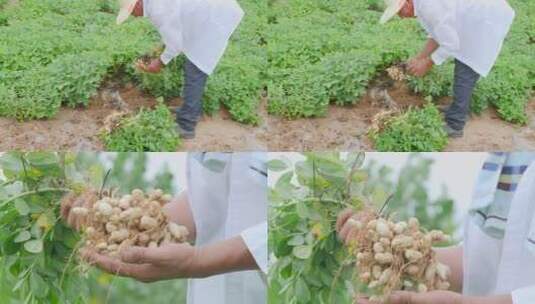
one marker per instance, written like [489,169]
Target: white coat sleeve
[441,18]
[524,295]
[256,238]
[172,38]
[167,55]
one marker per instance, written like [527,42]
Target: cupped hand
[347,224]
[405,297]
[169,261]
[154,66]
[419,66]
[73,200]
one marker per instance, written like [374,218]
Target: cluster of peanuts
[397,256]
[137,219]
[396,73]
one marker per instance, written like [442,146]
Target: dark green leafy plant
[414,130]
[148,130]
[36,259]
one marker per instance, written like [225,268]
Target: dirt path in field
[78,129]
[345,128]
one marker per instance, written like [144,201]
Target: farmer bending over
[470,31]
[199,29]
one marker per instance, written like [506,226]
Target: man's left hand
[432,297]
[149,264]
[419,66]
[155,66]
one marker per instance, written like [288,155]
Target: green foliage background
[307,262]
[36,260]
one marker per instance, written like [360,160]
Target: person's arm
[429,48]
[422,63]
[177,260]
[223,257]
[179,211]
[505,299]
[453,257]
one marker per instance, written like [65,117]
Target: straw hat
[392,8]
[127,6]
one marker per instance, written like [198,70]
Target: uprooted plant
[396,255]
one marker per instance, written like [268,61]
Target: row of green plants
[55,53]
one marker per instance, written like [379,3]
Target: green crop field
[326,52]
[58,53]
[304,54]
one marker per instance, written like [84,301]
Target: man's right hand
[71,201]
[347,224]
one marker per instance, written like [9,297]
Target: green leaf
[34,246]
[296,240]
[277,165]
[302,210]
[10,163]
[302,252]
[19,284]
[22,207]
[42,159]
[284,187]
[22,236]
[302,291]
[38,286]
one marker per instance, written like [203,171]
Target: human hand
[419,66]
[405,297]
[347,224]
[168,261]
[71,202]
[155,66]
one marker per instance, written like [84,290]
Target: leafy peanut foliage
[148,130]
[309,263]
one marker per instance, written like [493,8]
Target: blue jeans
[190,112]
[465,80]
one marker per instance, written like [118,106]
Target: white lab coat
[499,266]
[228,197]
[198,28]
[472,31]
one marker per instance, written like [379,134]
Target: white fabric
[198,28]
[504,266]
[471,31]
[228,197]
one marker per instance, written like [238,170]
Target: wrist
[505,299]
[198,267]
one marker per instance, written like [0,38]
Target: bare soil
[343,128]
